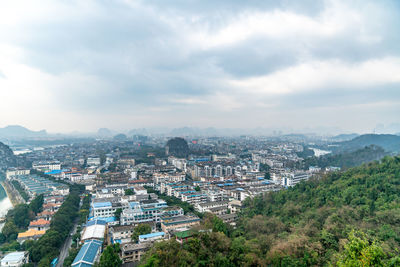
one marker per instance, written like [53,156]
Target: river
[5,204]
[320,152]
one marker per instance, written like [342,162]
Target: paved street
[67,244]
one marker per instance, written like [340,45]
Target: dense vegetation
[388,142]
[110,257]
[84,210]
[20,190]
[7,158]
[141,229]
[350,218]
[17,220]
[346,159]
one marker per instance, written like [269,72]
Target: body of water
[320,152]
[5,204]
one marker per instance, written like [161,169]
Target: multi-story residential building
[104,209]
[93,161]
[293,178]
[193,197]
[45,166]
[168,177]
[132,252]
[16,172]
[185,221]
[143,211]
[208,206]
[178,163]
[121,234]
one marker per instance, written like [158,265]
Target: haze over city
[81,65]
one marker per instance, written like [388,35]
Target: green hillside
[345,160]
[343,219]
[388,142]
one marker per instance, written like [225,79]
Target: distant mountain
[388,142]
[189,131]
[7,157]
[17,131]
[104,132]
[142,131]
[344,137]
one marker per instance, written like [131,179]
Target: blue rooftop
[53,172]
[96,221]
[87,254]
[106,219]
[152,235]
[102,204]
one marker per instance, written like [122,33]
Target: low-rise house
[46,215]
[171,223]
[151,237]
[40,224]
[30,234]
[15,259]
[51,206]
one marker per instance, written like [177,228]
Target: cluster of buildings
[35,185]
[41,223]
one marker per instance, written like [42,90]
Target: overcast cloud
[82,65]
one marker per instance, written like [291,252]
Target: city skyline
[68,66]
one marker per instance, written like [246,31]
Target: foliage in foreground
[110,257]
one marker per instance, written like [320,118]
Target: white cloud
[324,74]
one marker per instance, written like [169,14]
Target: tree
[197,188]
[117,214]
[360,251]
[36,204]
[141,229]
[110,256]
[129,192]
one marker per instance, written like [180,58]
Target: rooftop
[14,256]
[151,235]
[87,254]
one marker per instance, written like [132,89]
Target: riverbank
[12,194]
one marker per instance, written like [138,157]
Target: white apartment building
[16,172]
[93,161]
[293,178]
[45,166]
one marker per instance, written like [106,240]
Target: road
[67,244]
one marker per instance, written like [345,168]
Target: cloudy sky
[81,65]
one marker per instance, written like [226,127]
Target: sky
[81,65]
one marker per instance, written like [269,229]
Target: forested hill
[7,158]
[388,142]
[346,159]
[344,219]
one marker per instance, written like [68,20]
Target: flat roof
[14,256]
[102,204]
[152,235]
